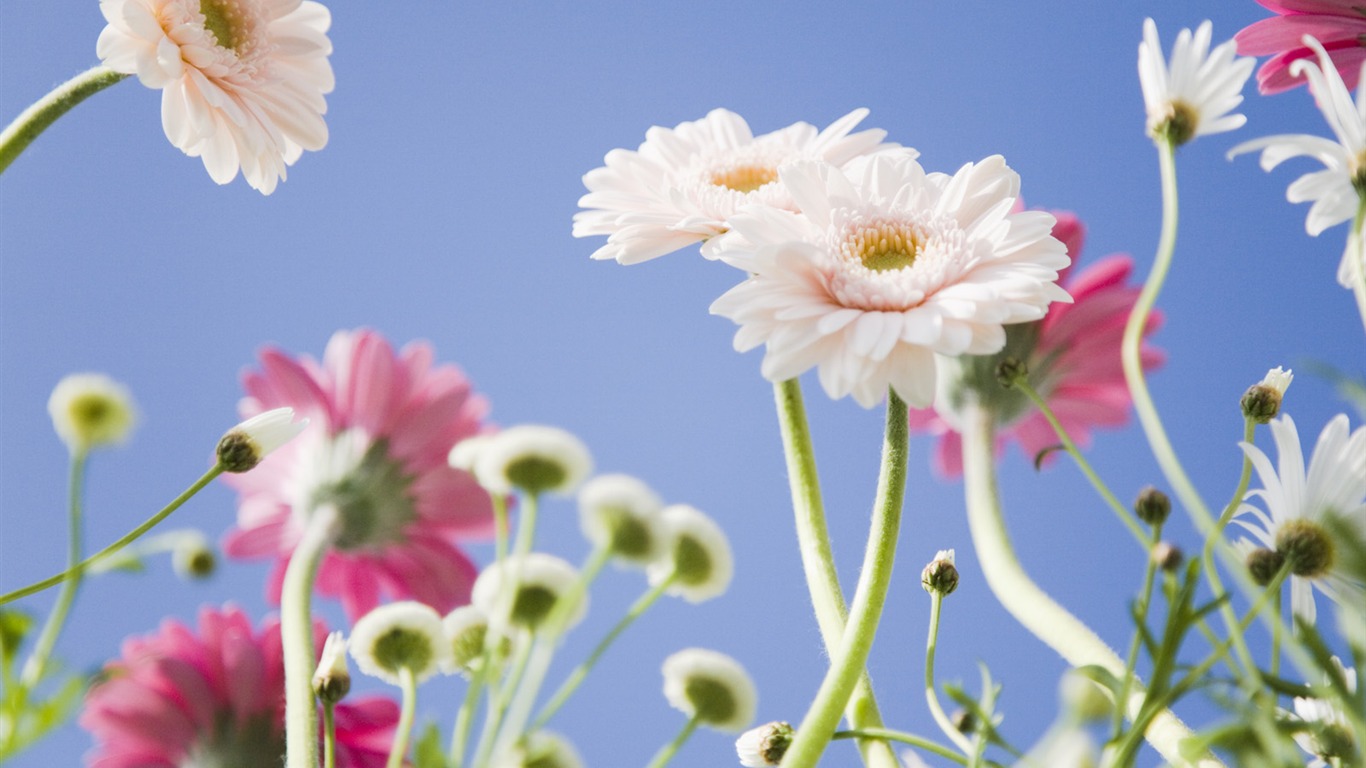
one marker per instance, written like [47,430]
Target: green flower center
[1178,125]
[399,648]
[256,742]
[631,538]
[692,561]
[536,474]
[223,19]
[372,501]
[1307,547]
[533,604]
[712,700]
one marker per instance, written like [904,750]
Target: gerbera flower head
[1338,24]
[1336,191]
[214,696]
[1192,94]
[242,81]
[698,563]
[1072,359]
[90,410]
[684,183]
[381,425]
[1300,504]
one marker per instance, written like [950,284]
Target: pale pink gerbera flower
[683,184]
[180,699]
[242,81]
[1338,24]
[1072,356]
[380,428]
[884,267]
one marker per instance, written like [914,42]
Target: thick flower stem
[818,562]
[33,121]
[399,749]
[849,658]
[1029,604]
[296,637]
[47,640]
[123,541]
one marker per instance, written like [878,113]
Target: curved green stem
[33,121]
[667,753]
[847,663]
[123,541]
[931,694]
[818,561]
[47,640]
[885,734]
[399,750]
[1029,604]
[1131,665]
[296,638]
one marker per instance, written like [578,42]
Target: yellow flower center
[884,246]
[745,178]
[223,19]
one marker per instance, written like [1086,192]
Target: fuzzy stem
[399,749]
[296,638]
[44,112]
[931,696]
[47,640]
[818,562]
[123,541]
[329,735]
[667,753]
[464,719]
[847,663]
[1029,604]
[500,526]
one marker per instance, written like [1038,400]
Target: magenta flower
[177,698]
[1073,358]
[1338,24]
[380,428]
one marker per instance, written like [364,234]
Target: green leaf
[14,627]
[428,752]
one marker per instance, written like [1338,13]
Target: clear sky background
[441,210]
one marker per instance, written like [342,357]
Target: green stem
[329,736]
[408,683]
[33,121]
[526,527]
[124,541]
[500,697]
[818,562]
[1029,604]
[296,637]
[850,657]
[931,694]
[1356,251]
[500,526]
[464,719]
[885,734]
[47,640]
[666,754]
[1131,666]
[580,672]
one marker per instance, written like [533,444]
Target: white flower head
[622,514]
[1192,94]
[534,459]
[711,687]
[245,445]
[242,81]
[541,749]
[1331,734]
[90,410]
[1300,505]
[398,635]
[885,266]
[540,581]
[464,455]
[764,745]
[466,628]
[699,561]
[332,680]
[684,183]
[1336,190]
[192,556]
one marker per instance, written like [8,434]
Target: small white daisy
[1192,94]
[540,579]
[1331,734]
[711,687]
[622,514]
[466,628]
[699,558]
[398,635]
[541,749]
[533,458]
[89,410]
[683,184]
[885,266]
[1299,503]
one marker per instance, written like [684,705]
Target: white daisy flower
[541,749]
[540,579]
[699,560]
[885,266]
[1331,735]
[622,514]
[683,184]
[398,635]
[532,458]
[466,628]
[1192,94]
[242,81]
[89,410]
[1334,191]
[1299,504]
[764,745]
[711,687]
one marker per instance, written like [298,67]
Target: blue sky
[441,209]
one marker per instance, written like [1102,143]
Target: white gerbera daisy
[1193,93]
[242,81]
[683,184]
[1336,190]
[710,687]
[1299,504]
[885,266]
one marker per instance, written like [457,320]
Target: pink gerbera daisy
[381,426]
[1338,24]
[1073,360]
[178,699]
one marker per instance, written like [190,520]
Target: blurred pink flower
[380,428]
[1338,24]
[1072,356]
[216,697]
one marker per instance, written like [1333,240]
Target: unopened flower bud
[1167,556]
[940,577]
[1262,401]
[193,557]
[332,680]
[1263,565]
[1152,506]
[964,721]
[245,445]
[765,745]
[1011,370]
